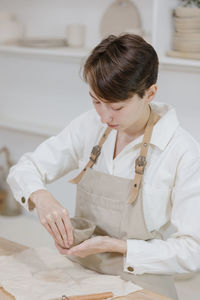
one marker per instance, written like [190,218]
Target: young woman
[140,184]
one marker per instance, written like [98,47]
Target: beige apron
[104,199]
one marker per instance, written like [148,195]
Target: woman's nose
[106,117]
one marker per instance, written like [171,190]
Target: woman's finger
[48,228]
[62,251]
[68,227]
[56,232]
[63,232]
[61,228]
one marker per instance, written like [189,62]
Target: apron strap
[141,161]
[96,151]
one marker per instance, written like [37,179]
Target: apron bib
[104,199]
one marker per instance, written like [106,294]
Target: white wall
[181,89]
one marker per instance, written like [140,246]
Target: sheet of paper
[42,273]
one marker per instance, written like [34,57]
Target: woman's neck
[138,128]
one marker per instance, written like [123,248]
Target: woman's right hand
[53,217]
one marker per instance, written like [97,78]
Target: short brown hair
[121,66]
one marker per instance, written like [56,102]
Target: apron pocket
[104,212]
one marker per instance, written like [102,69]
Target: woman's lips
[113,126]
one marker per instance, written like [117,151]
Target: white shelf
[75,54]
[32,128]
[179,64]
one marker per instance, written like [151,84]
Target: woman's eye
[117,108]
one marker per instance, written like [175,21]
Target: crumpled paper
[43,274]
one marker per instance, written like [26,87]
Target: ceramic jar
[11,30]
[75,35]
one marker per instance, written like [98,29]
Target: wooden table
[8,248]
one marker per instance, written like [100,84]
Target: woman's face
[122,114]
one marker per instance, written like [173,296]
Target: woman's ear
[151,92]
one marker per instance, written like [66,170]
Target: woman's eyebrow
[96,98]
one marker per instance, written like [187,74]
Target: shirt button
[23,200]
[130,269]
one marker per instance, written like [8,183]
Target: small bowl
[186,46]
[82,229]
[187,24]
[187,36]
[186,12]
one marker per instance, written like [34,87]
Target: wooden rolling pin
[99,296]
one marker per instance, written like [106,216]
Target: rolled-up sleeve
[180,252]
[52,159]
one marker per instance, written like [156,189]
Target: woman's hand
[53,217]
[97,244]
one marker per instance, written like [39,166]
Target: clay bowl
[82,229]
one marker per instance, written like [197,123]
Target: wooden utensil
[99,296]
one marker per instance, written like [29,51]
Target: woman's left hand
[94,245]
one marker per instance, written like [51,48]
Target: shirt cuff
[21,194]
[23,198]
[138,259]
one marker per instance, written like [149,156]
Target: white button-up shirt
[172,178]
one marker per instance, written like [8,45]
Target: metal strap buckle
[140,162]
[64,297]
[96,150]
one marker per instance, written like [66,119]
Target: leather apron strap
[140,162]
[96,151]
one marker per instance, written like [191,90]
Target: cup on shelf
[75,35]
[11,30]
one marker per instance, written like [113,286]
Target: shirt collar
[165,128]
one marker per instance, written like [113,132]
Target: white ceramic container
[75,35]
[11,30]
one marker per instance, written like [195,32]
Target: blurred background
[43,45]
